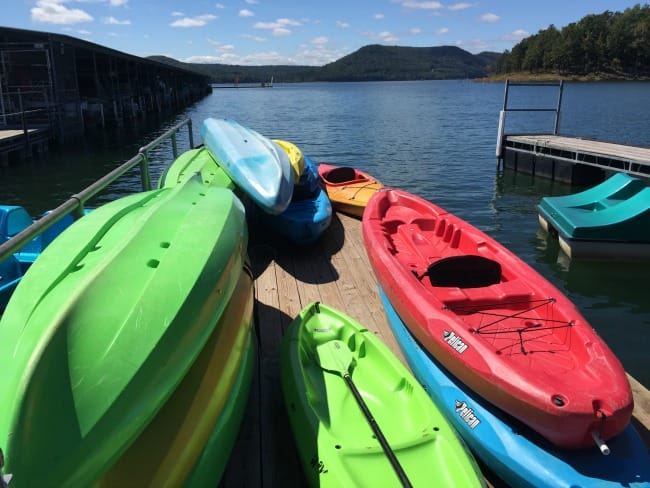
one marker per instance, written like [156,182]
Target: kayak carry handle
[604,448]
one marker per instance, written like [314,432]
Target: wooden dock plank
[335,271]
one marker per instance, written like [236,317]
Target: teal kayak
[257,165]
[105,325]
[336,442]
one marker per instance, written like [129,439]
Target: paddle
[336,357]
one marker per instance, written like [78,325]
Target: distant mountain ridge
[369,63]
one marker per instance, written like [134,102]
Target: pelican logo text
[467,414]
[455,341]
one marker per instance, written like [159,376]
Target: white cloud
[219,46]
[178,14]
[490,18]
[254,38]
[220,6]
[251,2]
[281,32]
[114,21]
[117,3]
[279,27]
[52,12]
[319,41]
[517,35]
[342,24]
[198,21]
[415,30]
[459,6]
[442,30]
[378,16]
[388,37]
[415,5]
[475,45]
[246,13]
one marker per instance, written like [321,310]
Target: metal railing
[506,109]
[75,204]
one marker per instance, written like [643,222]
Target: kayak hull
[257,165]
[134,289]
[169,450]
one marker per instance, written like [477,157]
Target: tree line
[611,44]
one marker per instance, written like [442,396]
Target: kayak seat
[341,174]
[464,271]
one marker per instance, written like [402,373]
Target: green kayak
[192,162]
[327,357]
[105,325]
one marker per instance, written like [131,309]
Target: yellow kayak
[296,157]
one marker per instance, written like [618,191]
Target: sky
[301,32]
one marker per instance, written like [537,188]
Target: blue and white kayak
[256,164]
[516,454]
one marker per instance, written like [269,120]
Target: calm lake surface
[436,139]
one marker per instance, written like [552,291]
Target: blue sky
[256,32]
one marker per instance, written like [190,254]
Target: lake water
[433,138]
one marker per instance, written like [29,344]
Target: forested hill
[378,62]
[369,63]
[607,45]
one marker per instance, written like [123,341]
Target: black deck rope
[520,331]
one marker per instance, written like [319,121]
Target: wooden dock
[336,272]
[573,159]
[27,142]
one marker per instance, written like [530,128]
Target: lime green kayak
[106,324]
[195,161]
[336,441]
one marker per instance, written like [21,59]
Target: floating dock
[572,160]
[336,271]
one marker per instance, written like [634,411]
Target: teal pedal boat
[610,220]
[358,415]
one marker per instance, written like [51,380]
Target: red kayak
[495,323]
[349,189]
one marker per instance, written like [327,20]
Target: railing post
[174,145]
[144,170]
[556,127]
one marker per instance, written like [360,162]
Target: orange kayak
[349,189]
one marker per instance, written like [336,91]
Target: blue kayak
[256,164]
[515,453]
[310,212]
